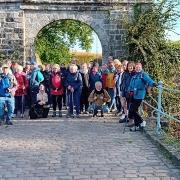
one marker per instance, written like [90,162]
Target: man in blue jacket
[8,85]
[137,91]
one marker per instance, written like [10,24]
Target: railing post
[158,126]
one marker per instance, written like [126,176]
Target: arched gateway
[21,20]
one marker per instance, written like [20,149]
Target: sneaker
[54,114]
[60,113]
[86,112]
[22,115]
[122,116]
[143,124]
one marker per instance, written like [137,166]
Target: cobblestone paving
[79,149]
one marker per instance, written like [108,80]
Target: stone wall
[11,31]
[21,21]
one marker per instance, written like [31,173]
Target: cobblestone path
[79,149]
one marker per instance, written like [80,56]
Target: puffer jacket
[139,82]
[96,98]
[33,78]
[110,77]
[56,84]
[22,84]
[7,82]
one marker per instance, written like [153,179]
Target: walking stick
[72,94]
[22,105]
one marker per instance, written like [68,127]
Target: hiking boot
[102,115]
[131,123]
[60,113]
[54,114]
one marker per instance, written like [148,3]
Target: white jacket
[42,97]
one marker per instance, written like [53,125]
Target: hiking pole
[72,94]
[22,106]
[68,103]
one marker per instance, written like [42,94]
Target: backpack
[40,77]
[33,113]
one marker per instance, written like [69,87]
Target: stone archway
[34,22]
[21,20]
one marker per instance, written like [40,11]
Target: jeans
[6,102]
[74,100]
[111,93]
[96,108]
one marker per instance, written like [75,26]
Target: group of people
[118,86]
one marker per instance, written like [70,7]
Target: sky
[173,36]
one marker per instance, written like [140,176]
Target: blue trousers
[6,103]
[112,94]
[74,101]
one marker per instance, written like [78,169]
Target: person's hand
[101,97]
[72,89]
[95,97]
[40,103]
[69,87]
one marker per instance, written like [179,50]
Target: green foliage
[146,37]
[54,41]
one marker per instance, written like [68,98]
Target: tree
[146,38]
[54,41]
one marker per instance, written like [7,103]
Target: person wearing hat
[8,86]
[57,89]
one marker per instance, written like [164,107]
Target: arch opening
[61,40]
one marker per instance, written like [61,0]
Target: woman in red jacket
[57,89]
[21,90]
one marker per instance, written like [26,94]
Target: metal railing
[159,109]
